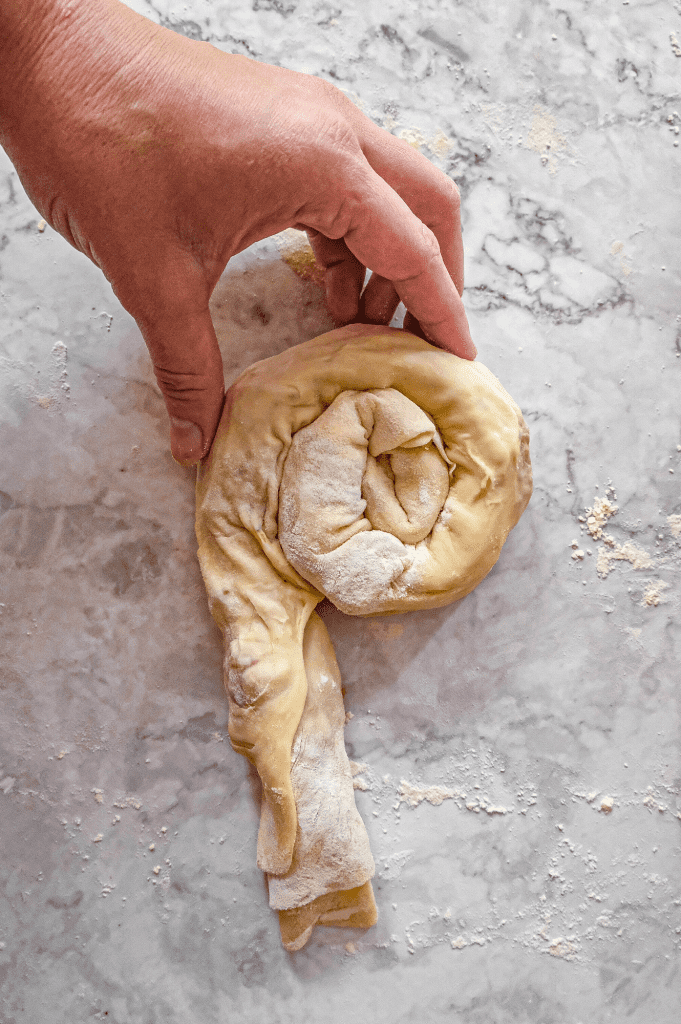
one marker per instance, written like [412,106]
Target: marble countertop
[540,883]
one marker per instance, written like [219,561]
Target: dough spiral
[371,468]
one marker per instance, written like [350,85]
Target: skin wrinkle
[57,217]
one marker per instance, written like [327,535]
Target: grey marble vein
[519,751]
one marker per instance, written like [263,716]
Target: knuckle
[338,99]
[337,139]
[447,203]
[346,214]
[178,385]
[329,90]
[431,247]
[454,194]
[453,189]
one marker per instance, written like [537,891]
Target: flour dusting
[544,138]
[613,552]
[414,795]
[598,515]
[675,525]
[653,594]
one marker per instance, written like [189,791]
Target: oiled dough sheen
[371,468]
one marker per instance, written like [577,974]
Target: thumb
[188,368]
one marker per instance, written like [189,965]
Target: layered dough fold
[371,468]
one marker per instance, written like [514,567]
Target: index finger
[427,191]
[384,234]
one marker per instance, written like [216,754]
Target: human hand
[160,158]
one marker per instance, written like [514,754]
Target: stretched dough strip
[371,468]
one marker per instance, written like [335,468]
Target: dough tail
[352,908]
[329,878]
[264,620]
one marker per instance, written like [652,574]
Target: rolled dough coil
[371,468]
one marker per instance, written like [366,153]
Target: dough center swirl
[362,485]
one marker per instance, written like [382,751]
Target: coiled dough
[371,468]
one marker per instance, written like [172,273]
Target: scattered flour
[617,249]
[439,145]
[563,947]
[356,769]
[598,515]
[48,385]
[675,525]
[652,595]
[460,942]
[544,139]
[393,864]
[128,801]
[652,801]
[610,551]
[614,552]
[519,124]
[414,795]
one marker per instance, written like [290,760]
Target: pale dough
[371,468]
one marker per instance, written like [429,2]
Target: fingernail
[186,441]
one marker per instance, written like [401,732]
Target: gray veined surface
[517,754]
